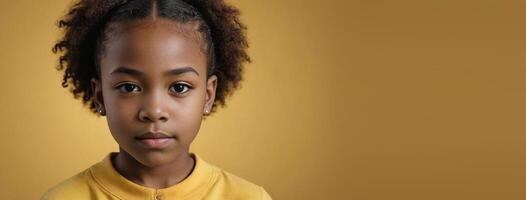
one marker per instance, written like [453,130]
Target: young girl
[155,69]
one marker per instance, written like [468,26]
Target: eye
[180,88]
[128,87]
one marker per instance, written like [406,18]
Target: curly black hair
[86,25]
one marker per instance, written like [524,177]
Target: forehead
[153,46]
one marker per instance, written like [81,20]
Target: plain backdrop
[345,99]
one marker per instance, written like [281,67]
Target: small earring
[100,109]
[207,111]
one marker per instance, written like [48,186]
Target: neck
[157,177]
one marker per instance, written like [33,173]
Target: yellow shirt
[102,181]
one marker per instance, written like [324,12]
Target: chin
[155,158]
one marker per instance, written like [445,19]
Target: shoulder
[235,187]
[70,188]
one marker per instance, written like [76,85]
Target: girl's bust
[155,69]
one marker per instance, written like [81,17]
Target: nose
[154,108]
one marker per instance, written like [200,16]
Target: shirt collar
[114,183]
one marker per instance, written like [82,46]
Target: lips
[155,140]
[153,135]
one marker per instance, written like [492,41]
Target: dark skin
[153,79]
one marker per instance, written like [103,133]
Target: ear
[211,87]
[96,89]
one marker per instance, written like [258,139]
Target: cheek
[189,114]
[120,112]
[190,107]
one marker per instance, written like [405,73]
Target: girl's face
[154,85]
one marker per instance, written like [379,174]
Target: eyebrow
[134,72]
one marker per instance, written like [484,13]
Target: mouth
[153,135]
[155,139]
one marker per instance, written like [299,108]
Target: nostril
[152,117]
[144,118]
[153,113]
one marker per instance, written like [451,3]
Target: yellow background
[344,100]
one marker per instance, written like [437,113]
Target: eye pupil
[129,87]
[179,88]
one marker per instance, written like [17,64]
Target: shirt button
[159,197]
